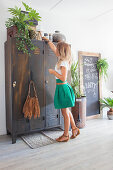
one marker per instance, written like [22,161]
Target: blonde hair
[64,51]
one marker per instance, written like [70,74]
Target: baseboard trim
[94,117]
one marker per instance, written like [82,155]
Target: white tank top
[63,63]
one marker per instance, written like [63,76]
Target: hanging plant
[102,66]
[23,22]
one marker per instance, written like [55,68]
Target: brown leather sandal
[75,132]
[64,140]
[59,137]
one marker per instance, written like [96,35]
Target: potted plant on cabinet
[108,102]
[19,26]
[79,110]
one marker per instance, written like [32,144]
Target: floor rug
[54,133]
[37,140]
[43,138]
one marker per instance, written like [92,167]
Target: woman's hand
[51,71]
[61,76]
[45,39]
[52,46]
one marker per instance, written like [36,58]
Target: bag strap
[32,82]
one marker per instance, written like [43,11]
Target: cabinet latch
[14,84]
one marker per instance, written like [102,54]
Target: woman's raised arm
[52,46]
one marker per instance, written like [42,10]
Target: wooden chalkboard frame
[80,64]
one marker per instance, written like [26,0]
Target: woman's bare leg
[71,119]
[66,116]
[65,136]
[75,130]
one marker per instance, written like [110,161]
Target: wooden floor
[91,150]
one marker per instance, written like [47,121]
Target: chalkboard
[89,81]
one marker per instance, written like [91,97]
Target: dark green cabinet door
[37,75]
[20,81]
[52,114]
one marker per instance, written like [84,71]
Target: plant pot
[79,112]
[110,114]
[32,34]
[11,32]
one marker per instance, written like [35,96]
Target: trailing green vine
[23,22]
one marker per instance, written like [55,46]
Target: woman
[64,95]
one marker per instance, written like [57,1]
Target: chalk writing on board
[91,87]
[90,76]
[90,83]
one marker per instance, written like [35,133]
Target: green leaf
[75,80]
[106,102]
[26,6]
[102,66]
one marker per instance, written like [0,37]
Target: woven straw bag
[31,106]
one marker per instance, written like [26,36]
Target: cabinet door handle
[14,84]
[46,81]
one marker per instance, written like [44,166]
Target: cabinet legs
[8,133]
[14,136]
[14,139]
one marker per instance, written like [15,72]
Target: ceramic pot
[110,114]
[57,37]
[79,112]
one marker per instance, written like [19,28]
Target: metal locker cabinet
[19,70]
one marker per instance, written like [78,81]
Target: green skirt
[64,95]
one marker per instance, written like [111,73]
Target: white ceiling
[88,9]
[85,9]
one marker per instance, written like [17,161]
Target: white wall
[84,35]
